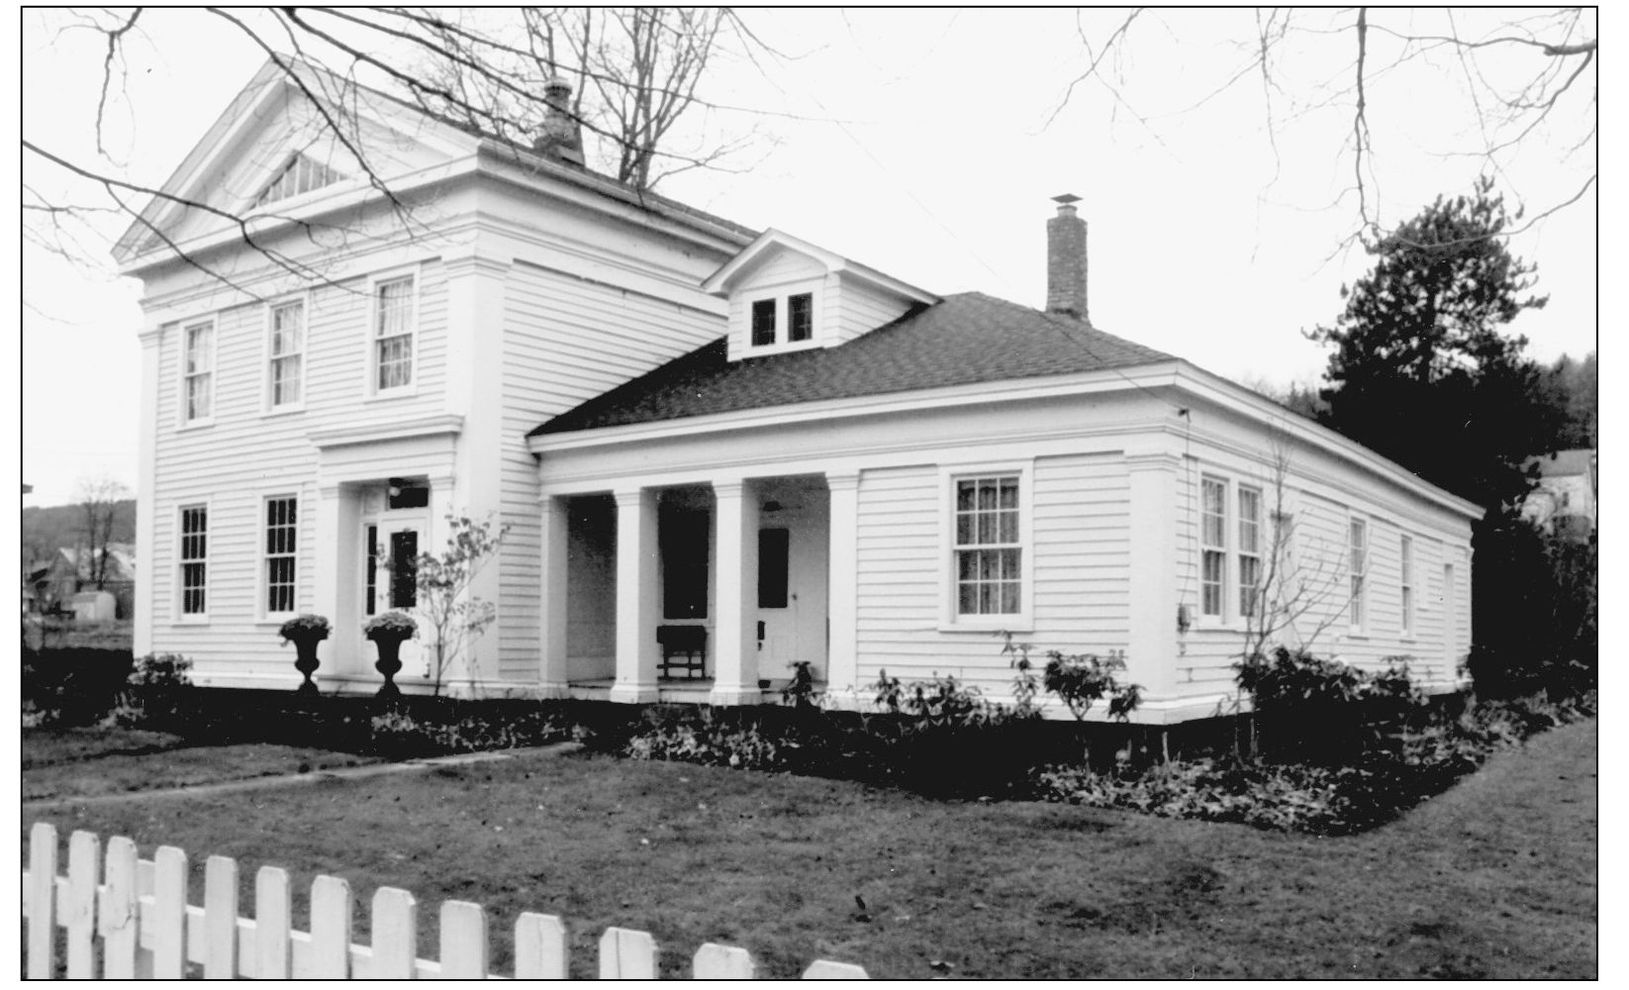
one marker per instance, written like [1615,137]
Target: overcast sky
[925,144]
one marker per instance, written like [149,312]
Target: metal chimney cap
[1066,199]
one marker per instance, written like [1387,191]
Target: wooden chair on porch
[683,648]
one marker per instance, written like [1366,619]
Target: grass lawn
[90,762]
[1495,878]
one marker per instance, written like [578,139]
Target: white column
[152,562]
[843,558]
[1152,649]
[637,611]
[336,652]
[553,674]
[735,640]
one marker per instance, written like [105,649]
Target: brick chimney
[562,137]
[1066,260]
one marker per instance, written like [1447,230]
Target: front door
[777,621]
[390,547]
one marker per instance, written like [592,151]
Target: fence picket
[79,910]
[42,873]
[463,941]
[724,962]
[330,955]
[169,913]
[273,909]
[395,935]
[541,949]
[626,954]
[825,969]
[120,916]
[220,918]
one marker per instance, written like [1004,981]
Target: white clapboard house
[718,451]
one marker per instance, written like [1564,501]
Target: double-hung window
[280,562]
[286,352]
[1357,567]
[198,371]
[194,559]
[1406,580]
[800,316]
[393,326]
[1249,550]
[1213,547]
[989,546]
[763,323]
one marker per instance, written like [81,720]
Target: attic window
[300,175]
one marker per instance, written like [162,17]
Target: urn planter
[388,632]
[305,632]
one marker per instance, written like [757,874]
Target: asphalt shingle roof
[964,339]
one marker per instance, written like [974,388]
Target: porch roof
[965,339]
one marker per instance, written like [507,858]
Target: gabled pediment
[276,148]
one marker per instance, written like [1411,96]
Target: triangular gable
[301,175]
[264,132]
[773,244]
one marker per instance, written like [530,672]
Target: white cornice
[424,426]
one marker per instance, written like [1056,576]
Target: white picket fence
[135,917]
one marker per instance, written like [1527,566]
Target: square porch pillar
[1152,649]
[842,607]
[638,612]
[735,639]
[553,674]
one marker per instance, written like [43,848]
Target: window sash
[287,348]
[198,367]
[1357,564]
[988,546]
[193,557]
[800,316]
[282,535]
[763,323]
[393,334]
[1406,592]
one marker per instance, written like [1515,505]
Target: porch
[697,591]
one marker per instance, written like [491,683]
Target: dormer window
[763,323]
[800,316]
[301,175]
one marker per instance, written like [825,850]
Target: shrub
[1078,679]
[73,686]
[156,689]
[1325,711]
[801,692]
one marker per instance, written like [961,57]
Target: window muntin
[1249,550]
[1357,564]
[286,352]
[301,175]
[763,323]
[370,592]
[988,548]
[1406,580]
[393,334]
[282,531]
[404,555]
[800,316]
[1213,546]
[194,559]
[198,372]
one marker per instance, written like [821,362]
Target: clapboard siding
[860,309]
[244,456]
[1081,557]
[566,340]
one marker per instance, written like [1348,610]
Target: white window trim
[1263,546]
[182,422]
[179,616]
[262,579]
[266,406]
[372,392]
[1228,617]
[949,619]
[1358,618]
[782,295]
[1407,604]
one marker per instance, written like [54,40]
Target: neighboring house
[685,423]
[54,582]
[1563,500]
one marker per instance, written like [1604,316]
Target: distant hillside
[47,528]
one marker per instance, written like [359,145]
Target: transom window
[193,556]
[287,351]
[1357,564]
[393,334]
[301,175]
[281,534]
[198,371]
[989,547]
[1213,546]
[1249,550]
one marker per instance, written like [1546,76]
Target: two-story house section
[317,402]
